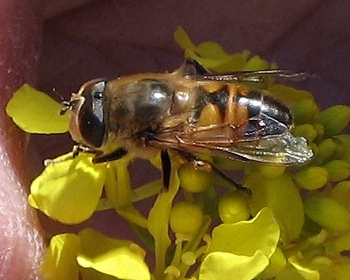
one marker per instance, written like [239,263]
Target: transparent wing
[284,149]
[194,69]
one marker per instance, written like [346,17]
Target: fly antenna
[58,94]
[66,105]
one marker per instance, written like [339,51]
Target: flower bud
[342,243]
[334,119]
[305,111]
[327,212]
[343,147]
[186,218]
[338,170]
[233,208]
[271,172]
[319,129]
[326,148]
[312,178]
[305,130]
[194,180]
[341,193]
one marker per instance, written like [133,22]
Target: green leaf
[35,112]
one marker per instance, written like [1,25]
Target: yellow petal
[280,195]
[69,191]
[277,263]
[119,258]
[35,112]
[182,39]
[223,265]
[60,258]
[210,54]
[158,222]
[118,184]
[256,63]
[234,62]
[289,95]
[91,274]
[211,50]
[306,272]
[247,237]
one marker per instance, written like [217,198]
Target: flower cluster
[295,225]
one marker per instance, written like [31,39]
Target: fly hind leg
[208,167]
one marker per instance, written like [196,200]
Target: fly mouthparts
[66,106]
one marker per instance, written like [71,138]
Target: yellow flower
[301,215]
[91,255]
[241,250]
[35,112]
[69,190]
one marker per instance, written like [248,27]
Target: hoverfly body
[190,111]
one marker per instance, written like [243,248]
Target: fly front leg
[77,149]
[99,156]
[208,167]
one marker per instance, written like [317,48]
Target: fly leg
[117,154]
[208,167]
[166,169]
[77,149]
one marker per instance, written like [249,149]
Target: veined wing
[284,149]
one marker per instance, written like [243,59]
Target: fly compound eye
[91,117]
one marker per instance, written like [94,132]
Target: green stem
[132,215]
[176,260]
[192,246]
[158,223]
[147,190]
[144,236]
[200,251]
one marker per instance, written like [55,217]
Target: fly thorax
[139,105]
